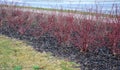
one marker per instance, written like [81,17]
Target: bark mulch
[100,59]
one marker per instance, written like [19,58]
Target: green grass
[17,53]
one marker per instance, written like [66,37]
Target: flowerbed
[85,35]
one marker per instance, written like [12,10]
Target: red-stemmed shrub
[87,32]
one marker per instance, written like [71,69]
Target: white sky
[13,0]
[62,0]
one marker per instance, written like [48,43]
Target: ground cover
[14,52]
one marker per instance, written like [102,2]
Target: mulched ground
[100,59]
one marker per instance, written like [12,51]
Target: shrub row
[86,34]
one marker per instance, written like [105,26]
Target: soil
[100,59]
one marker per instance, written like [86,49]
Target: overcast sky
[62,0]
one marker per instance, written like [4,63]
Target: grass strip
[17,53]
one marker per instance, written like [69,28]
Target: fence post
[36,67]
[18,68]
